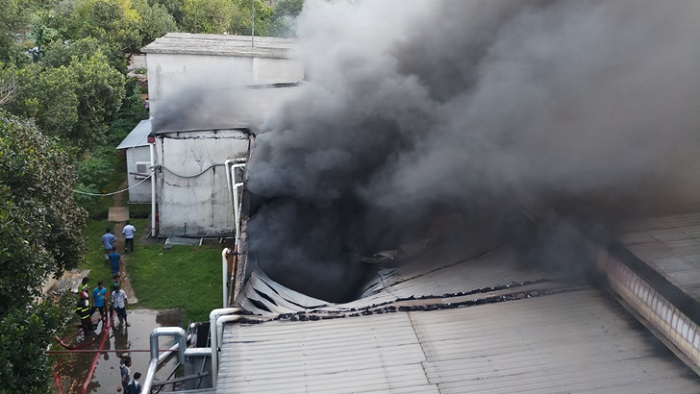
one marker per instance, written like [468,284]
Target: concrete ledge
[661,304]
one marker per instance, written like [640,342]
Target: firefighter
[84,312]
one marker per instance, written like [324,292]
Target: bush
[95,175]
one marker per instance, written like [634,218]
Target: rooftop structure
[207,95]
[222,45]
[485,323]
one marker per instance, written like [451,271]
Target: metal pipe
[107,351]
[182,379]
[232,281]
[152,150]
[213,335]
[224,275]
[180,334]
[229,184]
[236,209]
[220,326]
[165,354]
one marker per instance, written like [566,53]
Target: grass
[185,277]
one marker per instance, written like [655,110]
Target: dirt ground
[119,213]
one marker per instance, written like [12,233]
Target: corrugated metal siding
[566,343]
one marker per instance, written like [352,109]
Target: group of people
[109,242]
[118,303]
[118,298]
[129,385]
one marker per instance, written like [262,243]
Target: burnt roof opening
[472,109]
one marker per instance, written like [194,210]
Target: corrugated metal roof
[457,274]
[222,45]
[670,245]
[484,324]
[578,341]
[138,136]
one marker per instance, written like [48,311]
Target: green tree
[39,220]
[13,17]
[110,20]
[75,102]
[60,53]
[282,18]
[48,96]
[173,7]
[40,231]
[155,21]
[241,19]
[100,89]
[25,333]
[54,24]
[207,16]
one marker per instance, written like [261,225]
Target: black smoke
[476,108]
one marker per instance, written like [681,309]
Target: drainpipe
[180,334]
[233,193]
[214,335]
[229,183]
[224,274]
[152,149]
[236,210]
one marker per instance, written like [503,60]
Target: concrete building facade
[208,94]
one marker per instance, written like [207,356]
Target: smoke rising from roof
[587,106]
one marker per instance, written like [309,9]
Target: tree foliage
[24,335]
[110,20]
[155,21]
[13,17]
[73,102]
[282,17]
[62,79]
[48,96]
[39,223]
[39,219]
[61,53]
[207,16]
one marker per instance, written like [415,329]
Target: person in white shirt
[119,303]
[128,231]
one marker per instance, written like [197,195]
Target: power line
[112,193]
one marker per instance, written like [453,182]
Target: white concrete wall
[140,194]
[193,194]
[174,74]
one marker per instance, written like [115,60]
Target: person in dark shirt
[115,261]
[84,312]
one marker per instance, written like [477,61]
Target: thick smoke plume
[421,108]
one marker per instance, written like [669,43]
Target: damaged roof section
[459,323]
[487,323]
[494,271]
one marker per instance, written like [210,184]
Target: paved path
[119,213]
